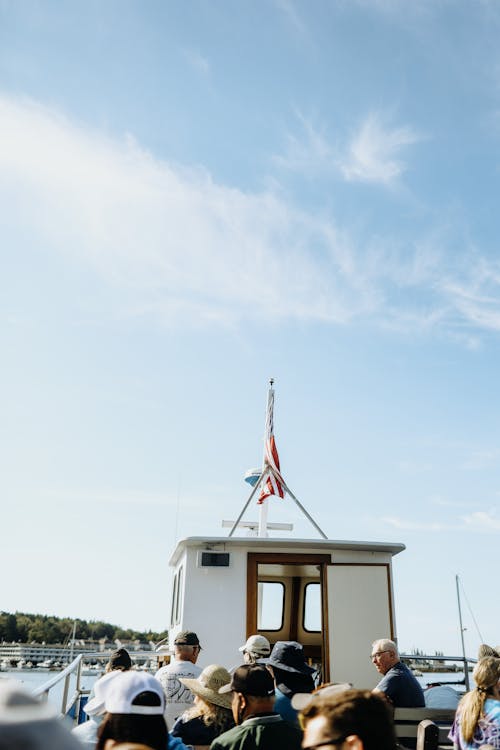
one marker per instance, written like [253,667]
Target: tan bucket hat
[207,685]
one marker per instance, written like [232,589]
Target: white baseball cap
[118,693]
[257,644]
[95,705]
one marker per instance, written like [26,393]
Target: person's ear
[353,742]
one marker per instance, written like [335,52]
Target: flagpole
[263,510]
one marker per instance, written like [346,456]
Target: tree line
[26,628]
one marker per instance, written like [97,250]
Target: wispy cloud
[197,61]
[446,503]
[478,521]
[482,521]
[480,460]
[177,243]
[307,151]
[405,525]
[291,12]
[374,152]
[172,243]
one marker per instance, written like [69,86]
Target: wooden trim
[324,622]
[295,612]
[270,558]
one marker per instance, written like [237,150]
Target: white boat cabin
[334,597]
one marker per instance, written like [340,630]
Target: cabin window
[270,605]
[175,588]
[312,607]
[175,614]
[179,598]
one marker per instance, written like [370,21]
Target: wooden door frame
[275,558]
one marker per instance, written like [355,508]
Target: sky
[198,196]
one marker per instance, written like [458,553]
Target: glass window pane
[312,607]
[270,605]
[174,600]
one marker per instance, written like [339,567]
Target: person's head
[288,665]
[207,685]
[28,723]
[384,654]
[134,704]
[187,646]
[257,647]
[119,659]
[348,720]
[252,691]
[485,650]
[486,675]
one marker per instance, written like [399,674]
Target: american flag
[271,477]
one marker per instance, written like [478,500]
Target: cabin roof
[261,543]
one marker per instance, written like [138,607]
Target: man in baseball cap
[252,703]
[178,697]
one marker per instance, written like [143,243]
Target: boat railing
[465,662]
[65,676]
[70,704]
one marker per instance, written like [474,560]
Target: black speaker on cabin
[213,559]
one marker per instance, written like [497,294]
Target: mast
[466,668]
[263,508]
[270,481]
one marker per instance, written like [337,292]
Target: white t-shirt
[178,697]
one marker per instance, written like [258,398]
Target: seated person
[211,713]
[398,685]
[477,721]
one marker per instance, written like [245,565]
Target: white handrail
[74,668]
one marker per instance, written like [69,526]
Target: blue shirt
[401,687]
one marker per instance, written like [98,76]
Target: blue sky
[198,196]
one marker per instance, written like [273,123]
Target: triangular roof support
[288,491]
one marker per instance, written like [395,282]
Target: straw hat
[207,685]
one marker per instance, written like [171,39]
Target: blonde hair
[217,716]
[486,674]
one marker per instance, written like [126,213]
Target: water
[34,678]
[449,677]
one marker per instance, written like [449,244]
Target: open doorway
[285,602]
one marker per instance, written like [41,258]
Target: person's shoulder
[227,739]
[492,707]
[163,670]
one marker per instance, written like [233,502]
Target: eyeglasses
[379,653]
[334,741]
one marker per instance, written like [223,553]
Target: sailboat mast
[466,668]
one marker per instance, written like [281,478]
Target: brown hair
[358,712]
[486,674]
